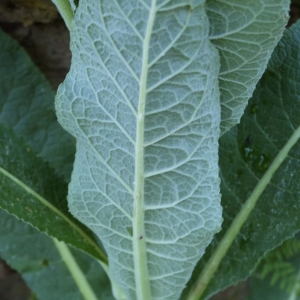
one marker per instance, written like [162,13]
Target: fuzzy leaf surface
[142,101]
[245,33]
[246,152]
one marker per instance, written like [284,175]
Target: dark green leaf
[35,256]
[144,108]
[27,106]
[30,190]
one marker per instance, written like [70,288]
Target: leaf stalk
[80,279]
[66,11]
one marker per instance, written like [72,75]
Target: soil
[37,26]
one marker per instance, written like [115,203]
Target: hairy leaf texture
[142,101]
[245,33]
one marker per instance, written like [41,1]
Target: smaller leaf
[30,191]
[245,40]
[34,255]
[27,106]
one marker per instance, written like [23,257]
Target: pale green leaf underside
[142,101]
[245,33]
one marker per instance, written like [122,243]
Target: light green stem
[75,270]
[116,290]
[239,220]
[65,9]
[142,282]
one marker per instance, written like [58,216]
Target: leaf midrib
[139,244]
[75,271]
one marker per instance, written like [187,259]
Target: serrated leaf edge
[46,203]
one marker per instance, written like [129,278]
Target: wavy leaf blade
[245,33]
[134,92]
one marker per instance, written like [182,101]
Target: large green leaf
[246,152]
[27,106]
[30,190]
[142,101]
[36,257]
[245,33]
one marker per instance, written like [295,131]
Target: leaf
[27,106]
[245,33]
[34,254]
[246,152]
[30,191]
[27,101]
[142,101]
